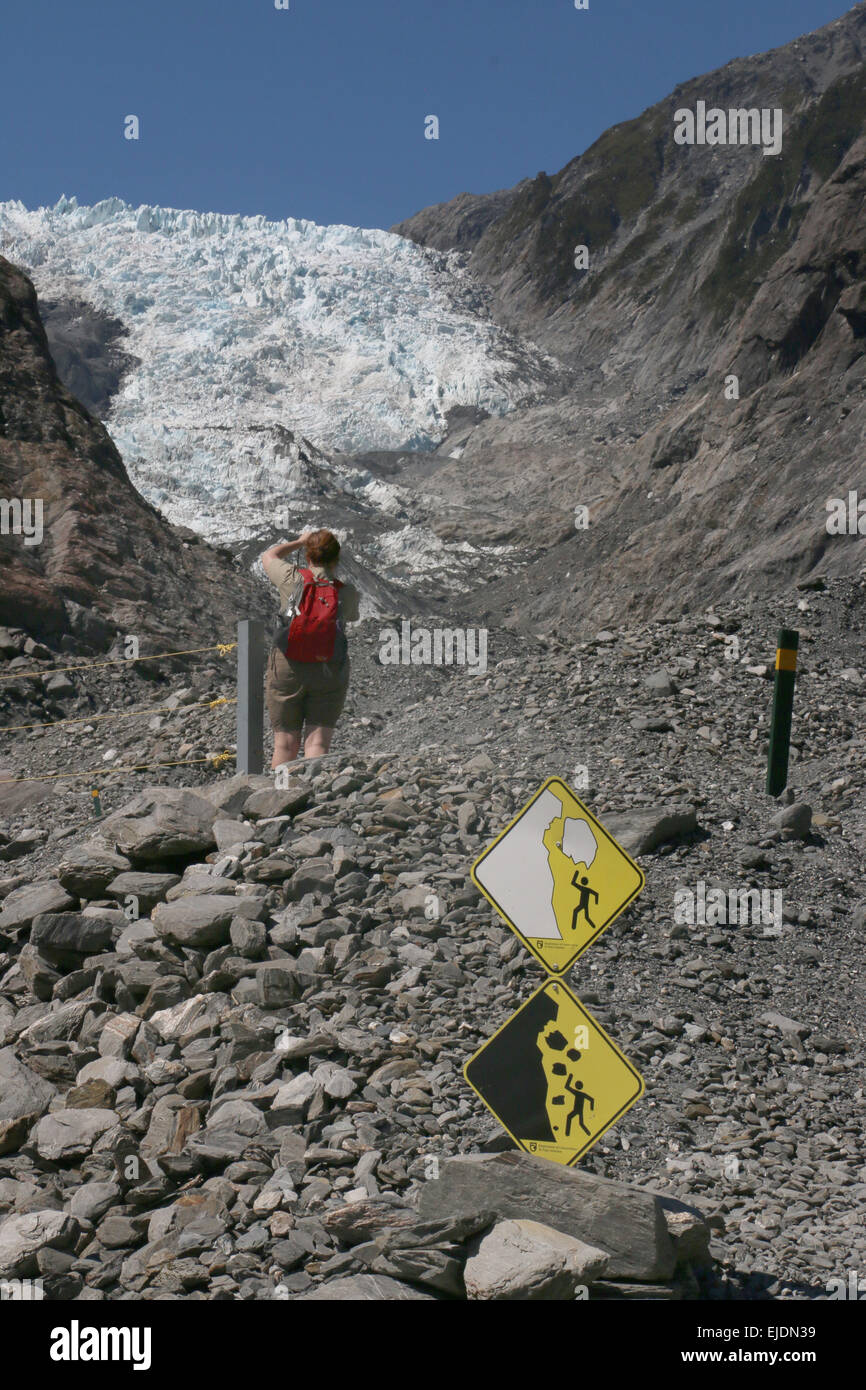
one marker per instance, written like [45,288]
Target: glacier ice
[255,337]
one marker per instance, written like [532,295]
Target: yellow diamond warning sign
[557,877]
[552,1076]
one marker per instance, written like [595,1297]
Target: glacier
[261,346]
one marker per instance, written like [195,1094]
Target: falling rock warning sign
[556,876]
[552,1076]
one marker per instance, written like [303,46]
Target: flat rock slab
[369,1288]
[23,904]
[150,889]
[63,934]
[640,832]
[198,882]
[277,801]
[362,1221]
[87,870]
[626,1223]
[162,823]
[230,796]
[70,1134]
[229,833]
[203,920]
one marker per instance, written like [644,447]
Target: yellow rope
[222,647]
[129,714]
[218,759]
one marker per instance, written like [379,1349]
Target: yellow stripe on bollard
[786,659]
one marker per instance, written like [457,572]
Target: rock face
[705,263]
[107,562]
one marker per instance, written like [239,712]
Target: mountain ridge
[694,255]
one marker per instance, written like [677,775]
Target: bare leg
[317,741]
[286,748]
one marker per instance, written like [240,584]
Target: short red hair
[322,548]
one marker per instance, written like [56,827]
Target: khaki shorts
[298,693]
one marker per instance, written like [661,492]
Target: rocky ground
[256,1086]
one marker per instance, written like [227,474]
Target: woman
[310,692]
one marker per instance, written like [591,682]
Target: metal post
[251,697]
[783,707]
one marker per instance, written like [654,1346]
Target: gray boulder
[229,833]
[23,904]
[197,881]
[24,1096]
[205,920]
[162,823]
[22,1237]
[41,975]
[277,801]
[661,682]
[93,1199]
[87,870]
[149,889]
[59,1025]
[69,1134]
[67,937]
[640,832]
[527,1260]
[314,876]
[230,796]
[796,818]
[625,1222]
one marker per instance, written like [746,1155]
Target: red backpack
[313,630]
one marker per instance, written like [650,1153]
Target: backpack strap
[323,579]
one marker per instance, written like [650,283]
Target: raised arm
[277,552]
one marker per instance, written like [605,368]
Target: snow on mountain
[254,338]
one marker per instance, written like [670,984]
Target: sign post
[551,1075]
[251,697]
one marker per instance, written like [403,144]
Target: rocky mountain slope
[705,262]
[276,1041]
[107,562]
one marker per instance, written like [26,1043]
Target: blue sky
[318,111]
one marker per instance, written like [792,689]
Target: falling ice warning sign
[552,1077]
[556,876]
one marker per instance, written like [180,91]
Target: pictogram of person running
[584,895]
